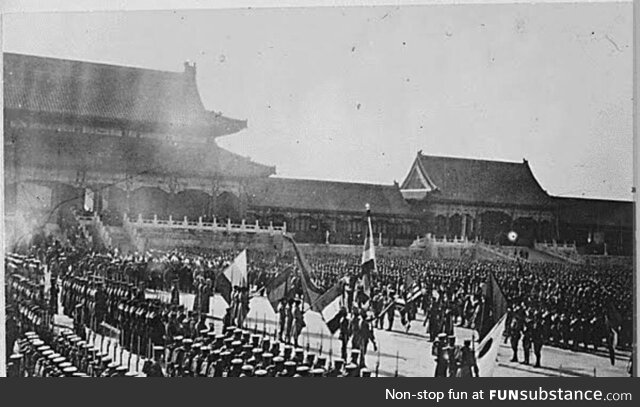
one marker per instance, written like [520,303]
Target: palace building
[123,140]
[139,141]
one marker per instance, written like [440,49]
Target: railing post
[228,224]
[284,227]
[155,219]
[200,221]
[215,222]
[170,220]
[257,225]
[242,225]
[185,222]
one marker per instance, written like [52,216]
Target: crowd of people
[577,306]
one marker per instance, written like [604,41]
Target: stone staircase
[120,239]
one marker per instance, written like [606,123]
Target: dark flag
[368,264]
[279,287]
[495,305]
[223,286]
[310,290]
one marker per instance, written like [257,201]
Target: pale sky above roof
[353,93]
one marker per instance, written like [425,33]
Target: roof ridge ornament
[190,68]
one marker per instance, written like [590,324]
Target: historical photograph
[388,191]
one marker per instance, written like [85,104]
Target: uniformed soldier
[442,356]
[467,366]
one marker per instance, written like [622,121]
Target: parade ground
[408,354]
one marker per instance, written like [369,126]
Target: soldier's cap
[63,365]
[42,348]
[260,373]
[56,358]
[317,372]
[226,354]
[158,348]
[205,348]
[112,365]
[187,341]
[70,369]
[30,333]
[247,368]
[355,352]
[289,363]
[131,374]
[237,362]
[257,351]
[267,355]
[211,334]
[204,332]
[302,369]
[122,369]
[178,338]
[106,359]
[236,344]
[278,359]
[79,374]
[196,345]
[351,366]
[218,337]
[48,353]
[16,356]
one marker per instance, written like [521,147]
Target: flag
[487,350]
[232,276]
[279,287]
[330,306]
[236,273]
[413,289]
[310,290]
[495,305]
[368,257]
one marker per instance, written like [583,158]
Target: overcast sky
[353,93]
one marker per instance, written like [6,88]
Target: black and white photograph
[424,190]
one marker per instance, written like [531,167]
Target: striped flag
[413,289]
[368,257]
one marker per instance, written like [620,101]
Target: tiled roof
[89,90]
[314,195]
[130,154]
[601,212]
[482,181]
